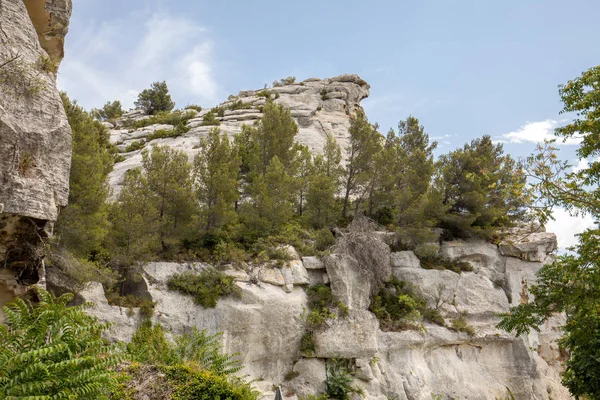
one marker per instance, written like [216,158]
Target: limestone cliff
[319,106]
[267,323]
[35,137]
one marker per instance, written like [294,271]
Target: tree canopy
[570,284]
[155,99]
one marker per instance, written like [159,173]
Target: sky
[464,68]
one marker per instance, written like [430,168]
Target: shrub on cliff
[155,99]
[206,287]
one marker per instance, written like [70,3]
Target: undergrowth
[206,287]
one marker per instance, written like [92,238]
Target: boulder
[313,263]
[271,275]
[294,273]
[484,257]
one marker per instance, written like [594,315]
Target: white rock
[354,336]
[271,275]
[311,262]
[529,247]
[311,377]
[404,259]
[294,273]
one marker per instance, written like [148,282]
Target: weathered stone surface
[311,377]
[35,137]
[467,292]
[271,275]
[484,257]
[313,263]
[361,262]
[404,259]
[354,336]
[294,273]
[51,21]
[530,246]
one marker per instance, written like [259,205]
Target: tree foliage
[83,224]
[482,187]
[110,111]
[570,284]
[155,99]
[51,351]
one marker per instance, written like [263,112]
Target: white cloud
[537,132]
[566,226]
[581,164]
[118,59]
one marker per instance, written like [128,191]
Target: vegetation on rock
[155,99]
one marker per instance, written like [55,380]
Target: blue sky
[464,68]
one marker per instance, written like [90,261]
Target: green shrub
[193,107]
[441,263]
[338,382]
[190,383]
[239,105]
[49,350]
[155,99]
[177,131]
[219,111]
[210,119]
[323,94]
[324,239]
[21,77]
[206,287]
[110,111]
[460,325]
[399,306]
[48,64]
[307,344]
[290,375]
[149,345]
[133,146]
[264,93]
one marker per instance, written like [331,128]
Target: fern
[51,351]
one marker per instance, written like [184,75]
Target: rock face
[319,106]
[35,137]
[267,323]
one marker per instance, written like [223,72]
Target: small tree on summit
[155,99]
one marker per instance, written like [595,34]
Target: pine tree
[168,173]
[482,188]
[216,170]
[83,224]
[364,143]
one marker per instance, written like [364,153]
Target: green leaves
[51,351]
[155,99]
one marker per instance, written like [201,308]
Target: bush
[210,119]
[47,64]
[399,306]
[149,345]
[49,350]
[338,382]
[179,130]
[441,263]
[193,107]
[307,344]
[323,94]
[239,105]
[206,287]
[155,99]
[133,146]
[324,239]
[460,325]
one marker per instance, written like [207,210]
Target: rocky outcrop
[35,137]
[51,21]
[266,325]
[319,106]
